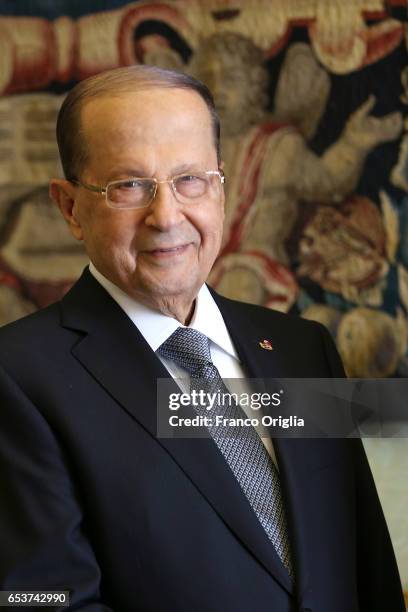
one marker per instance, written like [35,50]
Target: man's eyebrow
[127,171]
[122,172]
[183,168]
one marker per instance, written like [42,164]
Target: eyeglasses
[137,192]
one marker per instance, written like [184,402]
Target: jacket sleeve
[379,585]
[42,540]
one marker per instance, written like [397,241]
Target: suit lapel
[263,363]
[307,466]
[116,355]
[247,334]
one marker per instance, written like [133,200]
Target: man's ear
[62,192]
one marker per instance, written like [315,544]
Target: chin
[159,289]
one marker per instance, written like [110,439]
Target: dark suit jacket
[93,502]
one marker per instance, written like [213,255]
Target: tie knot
[189,348]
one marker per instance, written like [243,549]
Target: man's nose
[164,211]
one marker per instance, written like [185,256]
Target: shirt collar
[156,327]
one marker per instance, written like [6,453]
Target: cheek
[114,228]
[210,228]
[218,223]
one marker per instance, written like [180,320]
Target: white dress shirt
[156,327]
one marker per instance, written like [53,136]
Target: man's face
[164,251]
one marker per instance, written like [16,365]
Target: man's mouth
[168,251]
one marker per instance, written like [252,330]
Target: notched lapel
[116,355]
[308,466]
[247,336]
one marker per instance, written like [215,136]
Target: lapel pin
[266,344]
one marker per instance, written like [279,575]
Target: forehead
[152,131]
[147,112]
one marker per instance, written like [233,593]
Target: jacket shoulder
[33,338]
[266,316]
[307,345]
[33,324]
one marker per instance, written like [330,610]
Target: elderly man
[93,501]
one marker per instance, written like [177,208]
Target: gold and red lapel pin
[266,344]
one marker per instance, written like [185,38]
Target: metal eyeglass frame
[170,181]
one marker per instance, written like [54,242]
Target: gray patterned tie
[243,451]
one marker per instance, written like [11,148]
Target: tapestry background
[312,96]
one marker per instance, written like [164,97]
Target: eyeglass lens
[138,193]
[131,193]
